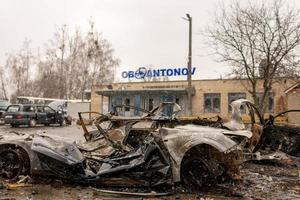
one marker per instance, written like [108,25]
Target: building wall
[201,87]
[96,101]
[215,86]
[233,86]
[74,108]
[293,102]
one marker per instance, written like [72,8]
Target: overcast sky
[142,32]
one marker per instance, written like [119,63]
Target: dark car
[3,106]
[32,115]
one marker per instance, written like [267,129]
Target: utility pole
[190,89]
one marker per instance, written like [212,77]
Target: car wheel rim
[32,123]
[63,123]
[10,164]
[195,174]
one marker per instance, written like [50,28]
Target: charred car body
[148,150]
[281,137]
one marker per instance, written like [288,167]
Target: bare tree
[259,41]
[68,66]
[73,63]
[75,45]
[97,63]
[59,52]
[3,84]
[19,67]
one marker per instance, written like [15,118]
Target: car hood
[14,136]
[55,147]
[191,135]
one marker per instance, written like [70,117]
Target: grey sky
[141,32]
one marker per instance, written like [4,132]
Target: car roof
[29,105]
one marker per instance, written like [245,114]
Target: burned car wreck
[147,150]
[281,137]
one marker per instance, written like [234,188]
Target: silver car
[149,150]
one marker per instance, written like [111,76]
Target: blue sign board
[143,72]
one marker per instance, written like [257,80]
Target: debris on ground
[146,194]
[2,186]
[24,179]
[12,186]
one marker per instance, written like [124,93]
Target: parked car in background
[31,115]
[63,107]
[3,106]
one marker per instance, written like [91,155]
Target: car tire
[32,123]
[197,172]
[13,125]
[13,166]
[62,123]
[14,161]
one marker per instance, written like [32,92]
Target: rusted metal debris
[285,138]
[139,194]
[148,150]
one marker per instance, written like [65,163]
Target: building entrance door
[168,110]
[137,103]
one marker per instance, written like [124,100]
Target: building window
[116,101]
[212,102]
[235,96]
[150,103]
[270,101]
[127,104]
[177,101]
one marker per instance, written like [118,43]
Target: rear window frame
[11,106]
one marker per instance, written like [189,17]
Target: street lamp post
[189,65]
